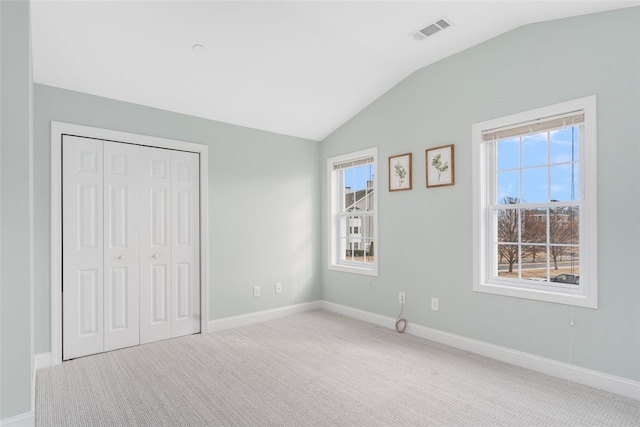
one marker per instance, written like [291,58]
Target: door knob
[121,257]
[156,256]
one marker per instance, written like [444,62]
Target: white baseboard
[576,374]
[42,360]
[23,420]
[366,316]
[261,316]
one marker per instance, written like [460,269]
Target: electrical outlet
[435,304]
[256,291]
[278,287]
[401,298]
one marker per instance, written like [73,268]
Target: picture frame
[400,172]
[440,166]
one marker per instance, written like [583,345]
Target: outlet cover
[256,291]
[401,298]
[435,304]
[278,288]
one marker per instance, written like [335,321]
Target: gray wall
[425,243]
[16,281]
[263,205]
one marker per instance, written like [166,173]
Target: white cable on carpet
[401,324]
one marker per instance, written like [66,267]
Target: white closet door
[131,245]
[185,242]
[82,239]
[121,247]
[155,246]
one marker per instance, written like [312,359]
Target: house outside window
[353,222]
[535,228]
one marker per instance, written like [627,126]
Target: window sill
[577,300]
[366,271]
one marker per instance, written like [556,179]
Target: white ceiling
[298,68]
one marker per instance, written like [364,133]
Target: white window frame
[483,169]
[334,192]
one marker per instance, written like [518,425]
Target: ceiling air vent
[431,29]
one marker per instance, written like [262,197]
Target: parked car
[566,278]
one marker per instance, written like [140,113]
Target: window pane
[534,263]
[354,226]
[508,261]
[360,200]
[534,150]
[369,250]
[564,261]
[507,225]
[354,240]
[359,189]
[564,145]
[359,177]
[368,244]
[576,138]
[534,226]
[350,250]
[564,182]
[508,187]
[353,249]
[573,266]
[508,153]
[535,185]
[342,228]
[563,225]
[345,253]
[574,219]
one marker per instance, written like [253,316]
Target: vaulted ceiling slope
[299,68]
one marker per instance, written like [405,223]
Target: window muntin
[535,204]
[353,212]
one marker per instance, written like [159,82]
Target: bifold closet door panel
[131,245]
[155,245]
[82,240]
[121,245]
[185,251]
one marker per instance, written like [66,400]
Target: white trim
[576,374]
[261,316]
[354,313]
[28,419]
[60,128]
[588,216]
[42,360]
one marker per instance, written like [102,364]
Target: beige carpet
[313,369]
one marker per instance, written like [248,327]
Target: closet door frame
[58,130]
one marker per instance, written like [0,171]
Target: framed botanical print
[440,166]
[400,172]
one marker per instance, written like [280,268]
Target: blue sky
[357,177]
[547,169]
